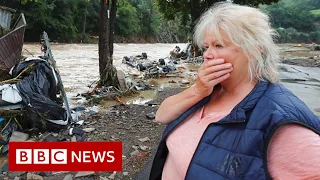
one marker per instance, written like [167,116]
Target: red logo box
[65,156]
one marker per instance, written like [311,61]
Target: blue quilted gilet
[235,146]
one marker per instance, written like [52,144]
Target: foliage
[289,13]
[315,12]
[62,19]
[173,30]
[127,19]
[294,20]
[293,36]
[191,10]
[148,16]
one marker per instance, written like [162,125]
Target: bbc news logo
[65,156]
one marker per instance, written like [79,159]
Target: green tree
[191,10]
[295,14]
[55,17]
[171,31]
[293,19]
[127,20]
[92,23]
[148,17]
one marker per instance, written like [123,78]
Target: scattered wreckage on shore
[163,66]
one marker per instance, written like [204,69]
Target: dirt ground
[307,62]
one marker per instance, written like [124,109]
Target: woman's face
[230,53]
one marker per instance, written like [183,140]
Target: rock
[84,174]
[112,175]
[74,139]
[103,178]
[92,123]
[125,173]
[79,108]
[76,131]
[18,136]
[45,174]
[55,134]
[4,167]
[88,130]
[144,139]
[103,133]
[151,116]
[31,140]
[185,81]
[90,112]
[121,78]
[15,174]
[143,148]
[31,176]
[134,153]
[16,178]
[50,138]
[113,112]
[135,147]
[59,172]
[68,177]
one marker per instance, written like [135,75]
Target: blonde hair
[249,29]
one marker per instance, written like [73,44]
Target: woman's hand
[211,73]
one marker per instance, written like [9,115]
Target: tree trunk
[112,25]
[108,73]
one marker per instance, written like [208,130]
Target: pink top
[293,153]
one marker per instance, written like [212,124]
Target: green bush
[315,37]
[291,35]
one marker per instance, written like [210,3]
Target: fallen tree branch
[17,78]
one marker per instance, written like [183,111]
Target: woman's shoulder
[280,99]
[278,89]
[278,94]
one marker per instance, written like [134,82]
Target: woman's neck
[228,94]
[237,87]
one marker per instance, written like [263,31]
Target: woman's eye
[218,46]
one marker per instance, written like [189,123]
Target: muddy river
[79,67]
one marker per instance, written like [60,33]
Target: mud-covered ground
[305,62]
[135,127]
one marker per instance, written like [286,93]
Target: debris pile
[33,103]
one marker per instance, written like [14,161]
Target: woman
[237,121]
